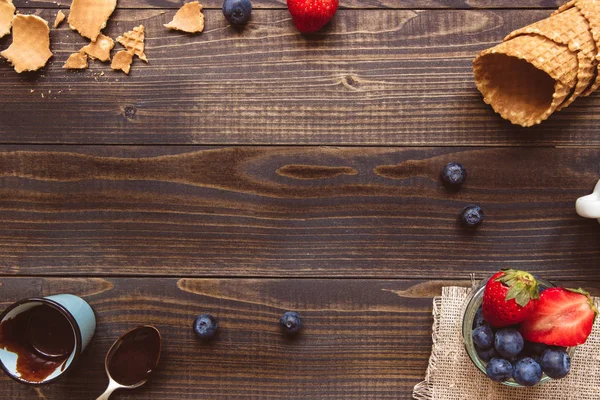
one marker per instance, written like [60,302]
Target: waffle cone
[590,9]
[525,79]
[569,28]
[564,7]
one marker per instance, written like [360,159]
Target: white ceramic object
[589,206]
[80,316]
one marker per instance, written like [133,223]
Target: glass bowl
[473,302]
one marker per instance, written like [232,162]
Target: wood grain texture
[188,211]
[361,339]
[359,4]
[385,77]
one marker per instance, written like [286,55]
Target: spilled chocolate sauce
[41,337]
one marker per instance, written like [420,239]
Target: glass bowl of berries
[520,330]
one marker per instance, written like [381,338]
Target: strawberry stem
[522,286]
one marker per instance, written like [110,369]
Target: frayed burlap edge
[424,390]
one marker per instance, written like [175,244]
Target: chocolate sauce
[135,356]
[42,339]
[50,333]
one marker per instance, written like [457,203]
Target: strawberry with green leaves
[509,298]
[563,317]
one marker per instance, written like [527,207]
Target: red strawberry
[311,15]
[510,296]
[563,317]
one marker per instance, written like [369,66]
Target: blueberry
[556,363]
[471,216]
[527,372]
[509,342]
[486,354]
[499,370]
[291,323]
[535,348]
[206,326]
[483,337]
[478,319]
[454,175]
[237,12]
[537,358]
[513,359]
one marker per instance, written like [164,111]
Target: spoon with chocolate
[132,359]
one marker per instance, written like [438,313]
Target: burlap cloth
[452,376]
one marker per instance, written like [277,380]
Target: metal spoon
[132,359]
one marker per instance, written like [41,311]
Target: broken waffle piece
[100,49]
[7,12]
[188,18]
[30,48]
[89,17]
[122,61]
[133,41]
[60,17]
[77,61]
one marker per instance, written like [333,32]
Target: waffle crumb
[60,17]
[77,61]
[122,61]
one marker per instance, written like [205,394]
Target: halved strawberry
[509,298]
[563,317]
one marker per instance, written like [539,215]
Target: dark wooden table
[246,173]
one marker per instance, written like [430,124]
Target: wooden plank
[305,212]
[373,348]
[394,77]
[360,4]
[361,339]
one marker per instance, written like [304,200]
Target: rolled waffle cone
[564,7]
[591,20]
[525,79]
[590,9]
[569,28]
